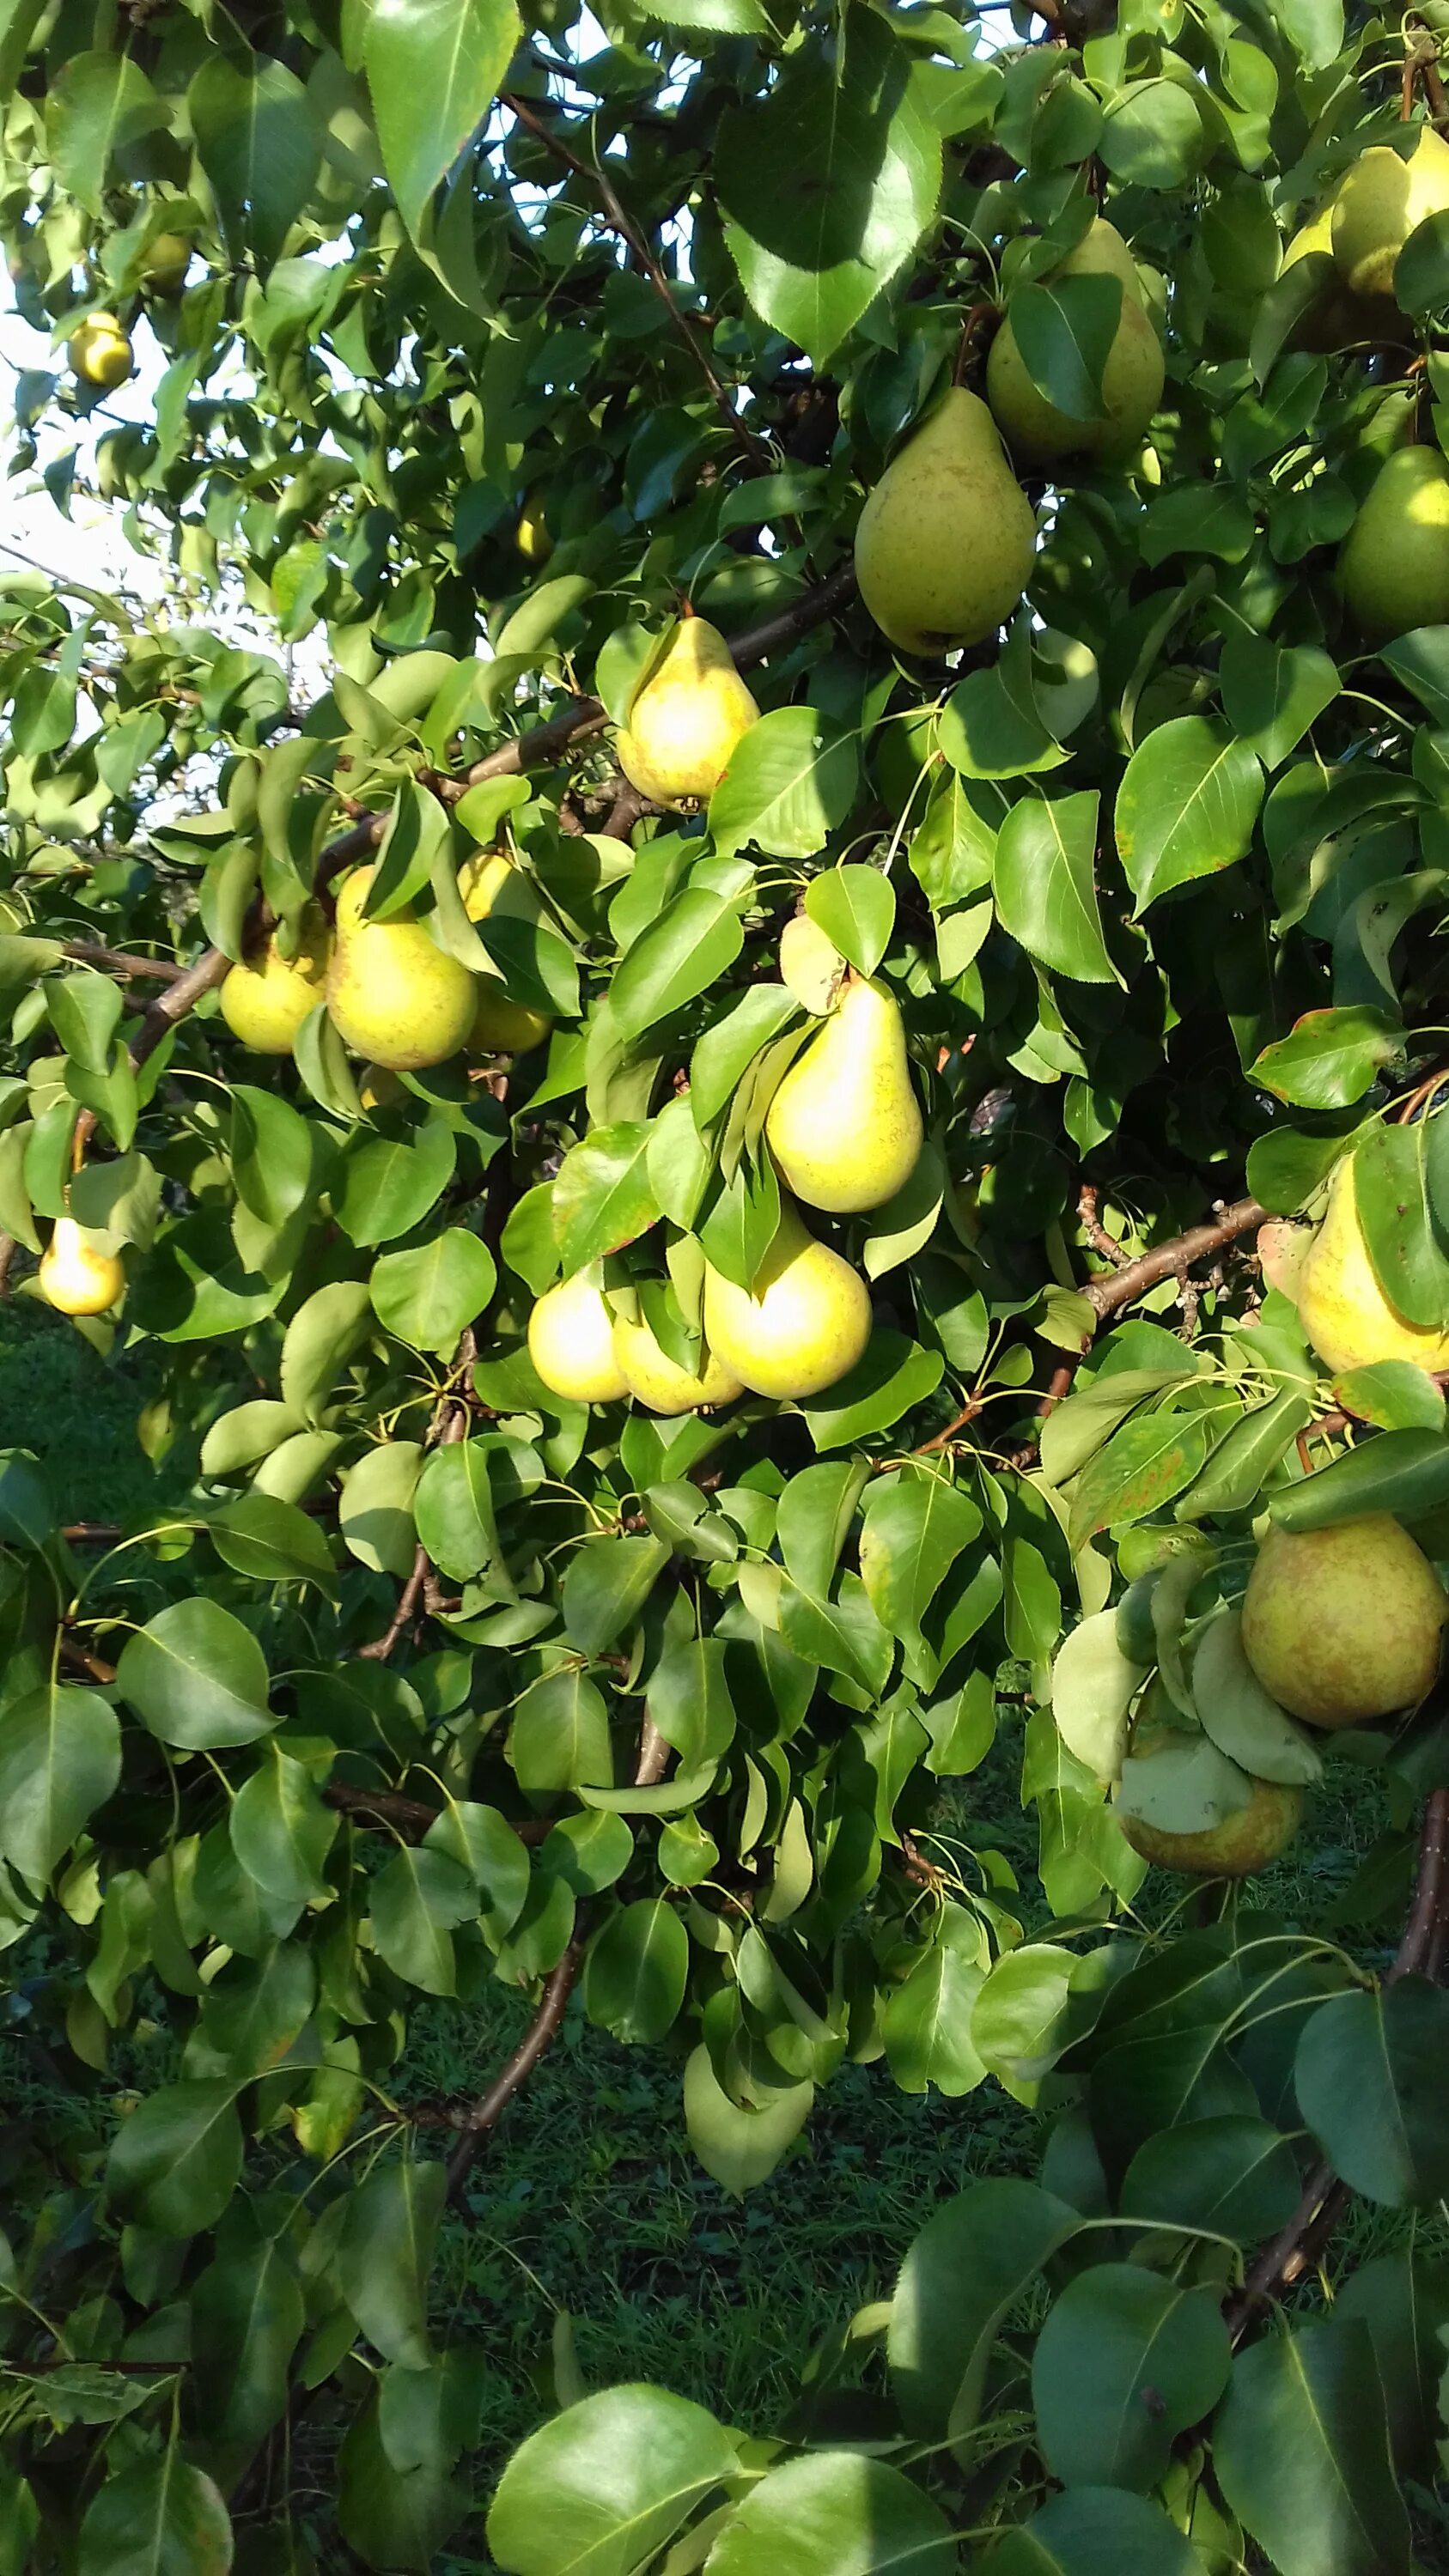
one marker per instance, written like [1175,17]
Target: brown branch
[1094,1230]
[408,1603]
[619,221]
[654,1752]
[1429,1890]
[488,2110]
[411,1818]
[943,1439]
[121,963]
[1171,1260]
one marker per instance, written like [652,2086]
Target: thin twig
[1094,1230]
[486,2112]
[411,1818]
[1171,1260]
[121,962]
[943,1439]
[408,1603]
[654,1752]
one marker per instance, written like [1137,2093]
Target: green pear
[1237,1847]
[845,1126]
[265,999]
[1393,566]
[687,720]
[946,540]
[1342,1308]
[805,1322]
[1132,379]
[571,1340]
[1337,318]
[653,1378]
[392,993]
[1381,200]
[1344,1623]
[77,1276]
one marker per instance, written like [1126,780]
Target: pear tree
[727,972]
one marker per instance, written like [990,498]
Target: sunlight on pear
[845,1125]
[265,1000]
[687,719]
[1344,1623]
[392,994]
[655,1379]
[946,540]
[805,1322]
[1342,1308]
[571,1340]
[75,1274]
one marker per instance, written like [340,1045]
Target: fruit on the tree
[811,966]
[1379,203]
[845,1125]
[1393,566]
[163,271]
[1036,432]
[571,1340]
[687,719]
[378,1088]
[1243,1843]
[265,999]
[531,536]
[1337,318]
[945,543]
[490,882]
[1343,1310]
[805,1322]
[100,351]
[392,993]
[653,1378]
[76,1275]
[1344,1623]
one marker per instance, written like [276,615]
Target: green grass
[78,1413]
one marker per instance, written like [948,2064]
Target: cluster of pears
[686,720]
[391,992]
[1346,1314]
[844,1129]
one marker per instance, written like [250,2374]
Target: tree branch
[488,2110]
[411,1818]
[121,963]
[1171,1260]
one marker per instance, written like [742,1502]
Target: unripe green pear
[163,271]
[1342,1308]
[392,993]
[1337,318]
[76,1275]
[653,1378]
[687,720]
[845,1125]
[1243,1843]
[946,541]
[265,999]
[1132,380]
[805,1322]
[1393,567]
[571,1340]
[1380,202]
[1344,1623]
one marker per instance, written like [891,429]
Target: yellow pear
[100,351]
[946,540]
[811,966]
[686,720]
[76,1275]
[845,1126]
[489,882]
[571,1340]
[392,993]
[1344,1623]
[531,535]
[265,999]
[805,1322]
[1243,1843]
[1381,200]
[653,1378]
[1393,567]
[1341,1306]
[1132,379]
[1337,318]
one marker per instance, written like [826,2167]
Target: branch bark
[1172,1260]
[411,1818]
[488,2110]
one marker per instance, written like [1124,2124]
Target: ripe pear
[1341,1306]
[946,540]
[392,993]
[571,1340]
[653,1378]
[686,720]
[845,1126]
[1337,318]
[76,1276]
[531,536]
[489,882]
[1393,566]
[265,999]
[1344,1623]
[805,1322]
[100,351]
[1243,1843]
[1381,200]
[811,966]
[1132,379]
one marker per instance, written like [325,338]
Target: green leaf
[1301,2453]
[1238,1714]
[1391,1192]
[1404,1472]
[1044,881]
[1093,1687]
[376,1510]
[1152,134]
[258,146]
[197,1677]
[247,2319]
[1065,332]
[927,2023]
[894,1376]
[1237,1467]
[1421,271]
[175,2162]
[390,1184]
[1368,2075]
[961,2278]
[416,1900]
[271,1541]
[839,2514]
[385,2255]
[606,1586]
[434,68]
[326,1330]
[827,185]
[915,1528]
[1186,807]
[856,908]
[98,105]
[636,1972]
[791,782]
[60,1759]
[1234,2174]
[606,2484]
[603,1197]
[1394,1395]
[453,1508]
[560,1737]
[156,2518]
[694,941]
[1142,1466]
[1114,2334]
[280,1830]
[727,1050]
[1272,693]
[1093,2530]
[689,1699]
[1329,1058]
[740,2147]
